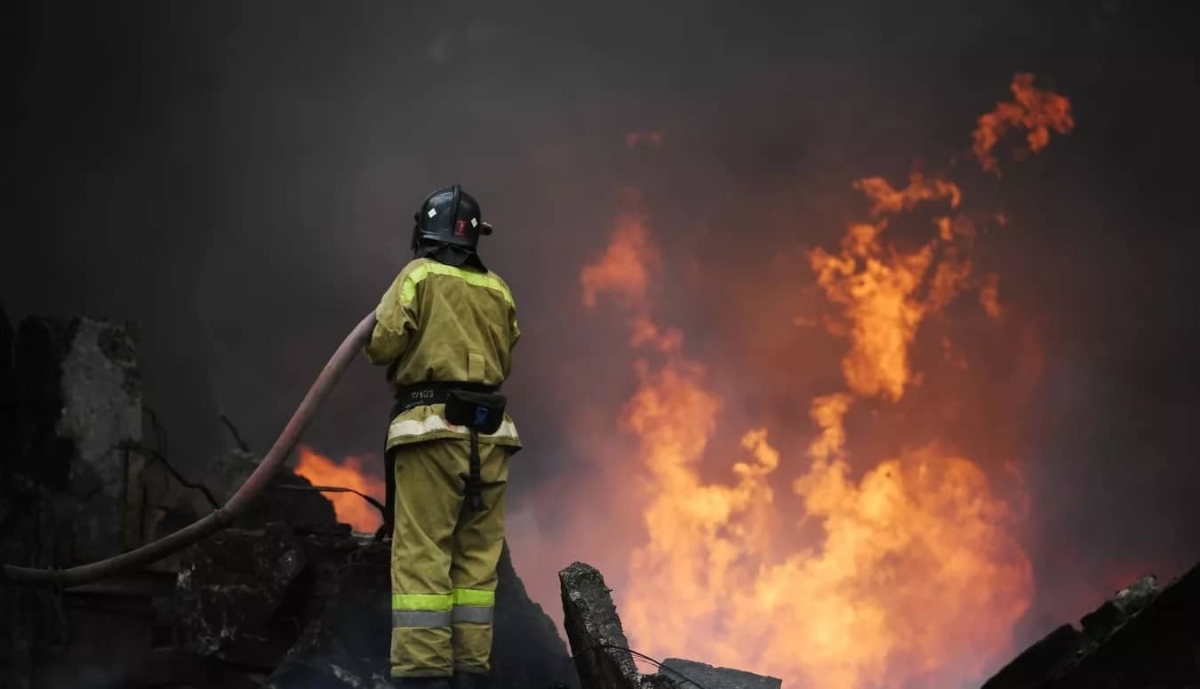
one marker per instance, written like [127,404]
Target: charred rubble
[1146,636]
[289,598]
[292,598]
[602,654]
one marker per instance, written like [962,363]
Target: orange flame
[880,288]
[907,572]
[1031,109]
[889,200]
[989,297]
[625,266]
[350,508]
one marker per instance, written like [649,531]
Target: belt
[421,394]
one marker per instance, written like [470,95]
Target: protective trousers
[444,558]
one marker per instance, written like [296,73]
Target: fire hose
[222,517]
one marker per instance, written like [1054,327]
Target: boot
[467,680]
[421,683]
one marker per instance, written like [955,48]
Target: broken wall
[79,416]
[70,412]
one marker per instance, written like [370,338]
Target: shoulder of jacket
[412,266]
[414,271]
[496,276]
[406,282]
[504,284]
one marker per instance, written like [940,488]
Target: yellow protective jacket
[439,323]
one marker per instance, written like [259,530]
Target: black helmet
[448,227]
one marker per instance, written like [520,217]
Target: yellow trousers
[444,558]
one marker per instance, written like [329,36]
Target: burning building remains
[890,563]
[292,597]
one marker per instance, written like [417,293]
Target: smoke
[239,179]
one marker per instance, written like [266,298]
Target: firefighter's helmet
[448,226]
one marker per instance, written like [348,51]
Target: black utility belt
[478,407]
[411,396]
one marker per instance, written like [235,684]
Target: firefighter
[446,329]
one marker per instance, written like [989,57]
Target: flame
[1031,109]
[626,264]
[350,508]
[989,297]
[880,287]
[902,569]
[889,200]
[911,547]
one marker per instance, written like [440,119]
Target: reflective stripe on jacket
[444,323]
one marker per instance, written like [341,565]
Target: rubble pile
[290,598]
[1146,636]
[311,608]
[602,654]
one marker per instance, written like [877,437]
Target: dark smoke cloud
[239,179]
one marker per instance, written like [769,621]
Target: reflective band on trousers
[421,618]
[473,605]
[442,610]
[421,609]
[475,597]
[471,613]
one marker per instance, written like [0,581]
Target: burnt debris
[1145,637]
[602,654]
[312,610]
[598,642]
[289,598]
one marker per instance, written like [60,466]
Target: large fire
[903,570]
[896,570]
